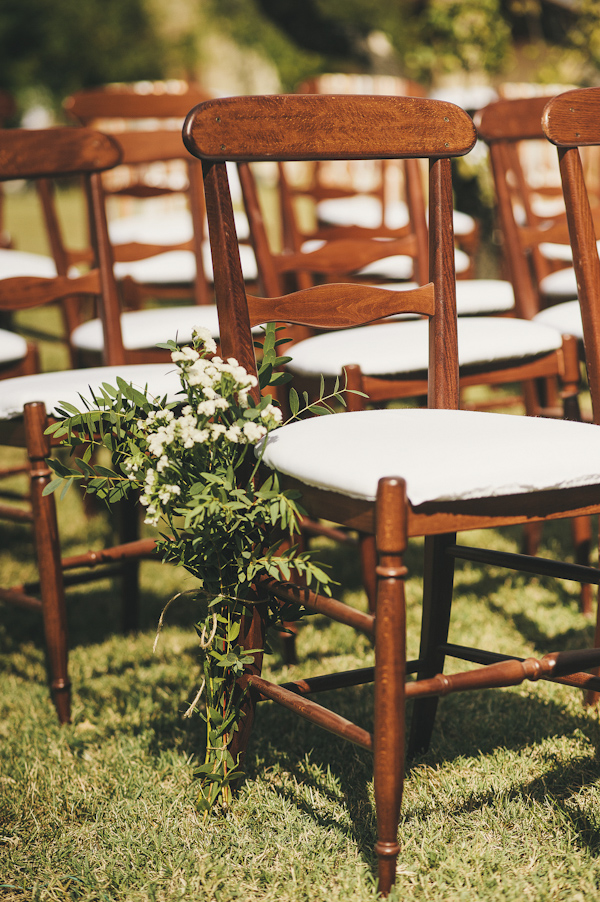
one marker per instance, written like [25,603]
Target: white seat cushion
[12,347]
[480,296]
[365,210]
[173,227]
[565,317]
[401,348]
[560,284]
[399,266]
[20,263]
[66,385]
[395,267]
[179,267]
[444,455]
[146,328]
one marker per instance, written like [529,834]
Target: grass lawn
[505,805]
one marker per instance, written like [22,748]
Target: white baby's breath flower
[254,431]
[203,335]
[271,412]
[233,434]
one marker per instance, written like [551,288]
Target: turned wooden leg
[437,602]
[47,547]
[390,673]
[593,698]
[252,635]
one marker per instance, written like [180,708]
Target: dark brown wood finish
[257,128]
[120,110]
[29,155]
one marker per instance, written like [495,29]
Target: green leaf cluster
[227,523]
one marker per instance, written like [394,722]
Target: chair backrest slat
[35,153]
[343,127]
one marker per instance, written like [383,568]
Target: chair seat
[565,317]
[401,348]
[67,385]
[20,263]
[480,296]
[179,267]
[560,284]
[365,210]
[12,347]
[174,227]
[396,266]
[146,328]
[444,455]
[400,266]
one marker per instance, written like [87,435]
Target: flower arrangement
[195,464]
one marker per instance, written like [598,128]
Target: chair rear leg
[390,675]
[47,547]
[437,602]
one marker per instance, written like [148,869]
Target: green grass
[505,805]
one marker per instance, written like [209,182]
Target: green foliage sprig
[193,464]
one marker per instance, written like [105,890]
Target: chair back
[46,154]
[509,127]
[313,127]
[128,102]
[571,121]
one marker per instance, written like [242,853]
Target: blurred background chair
[155,198]
[28,402]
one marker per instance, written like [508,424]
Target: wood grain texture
[340,306]
[343,128]
[34,153]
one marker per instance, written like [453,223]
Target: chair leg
[47,548]
[390,675]
[582,539]
[252,635]
[437,602]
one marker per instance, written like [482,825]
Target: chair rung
[513,672]
[526,563]
[331,681]
[15,514]
[20,598]
[112,555]
[313,712]
[321,604]
[479,656]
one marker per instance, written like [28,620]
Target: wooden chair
[27,403]
[395,473]
[389,361]
[155,198]
[529,240]
[571,122]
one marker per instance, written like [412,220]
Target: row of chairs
[337,461]
[399,473]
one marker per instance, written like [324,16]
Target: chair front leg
[47,547]
[390,674]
